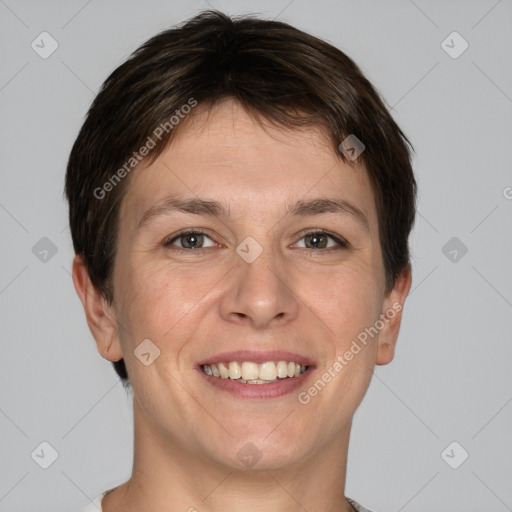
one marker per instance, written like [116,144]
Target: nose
[260,293]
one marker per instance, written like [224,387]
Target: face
[261,278]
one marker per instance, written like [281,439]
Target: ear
[100,316]
[391,315]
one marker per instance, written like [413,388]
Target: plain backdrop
[433,432]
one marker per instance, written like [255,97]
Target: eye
[194,239]
[190,240]
[319,240]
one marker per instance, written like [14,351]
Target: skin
[192,305]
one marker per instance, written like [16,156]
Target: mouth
[250,372]
[254,375]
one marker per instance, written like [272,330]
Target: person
[240,202]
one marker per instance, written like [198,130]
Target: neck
[167,478]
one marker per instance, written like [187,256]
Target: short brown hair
[275,72]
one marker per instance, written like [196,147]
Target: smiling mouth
[248,372]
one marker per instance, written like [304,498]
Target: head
[247,118]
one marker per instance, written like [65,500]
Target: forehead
[225,154]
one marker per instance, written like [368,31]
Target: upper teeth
[247,371]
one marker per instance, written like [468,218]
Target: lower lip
[258,391]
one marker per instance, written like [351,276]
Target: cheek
[162,302]
[348,300]
[349,304]
[154,307]
[152,302]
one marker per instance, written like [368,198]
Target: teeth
[282,369]
[268,371]
[234,370]
[249,372]
[255,381]
[224,372]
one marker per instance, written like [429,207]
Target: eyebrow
[211,208]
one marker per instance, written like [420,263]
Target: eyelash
[342,244]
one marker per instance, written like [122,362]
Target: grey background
[450,380]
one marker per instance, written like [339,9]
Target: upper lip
[257,357]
